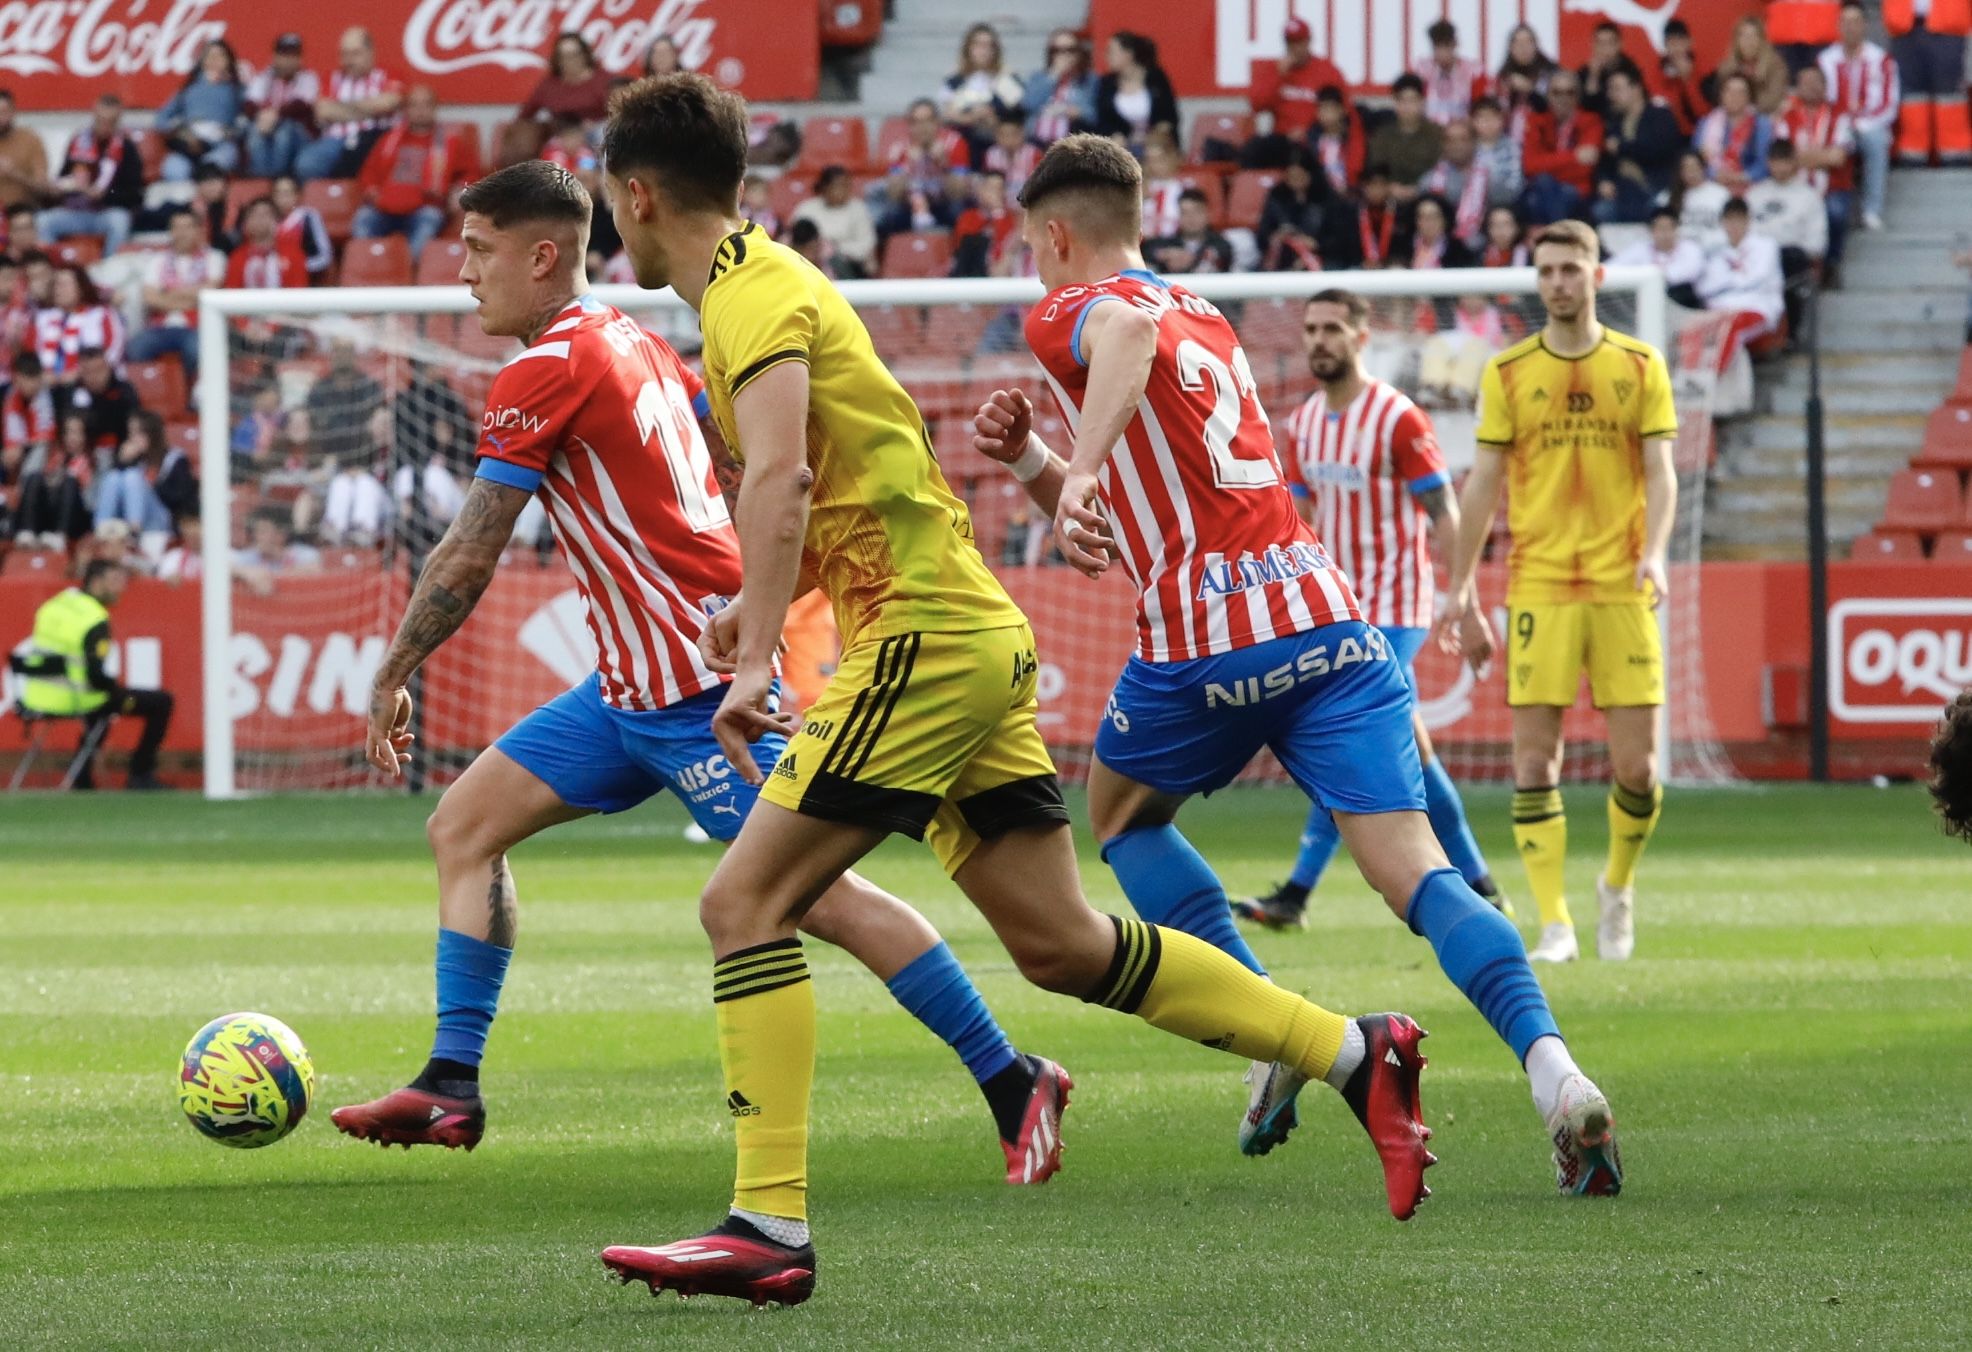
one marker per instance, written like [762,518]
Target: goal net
[337,438]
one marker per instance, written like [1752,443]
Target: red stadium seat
[1954,546]
[1961,393]
[1247,197]
[242,191]
[1892,546]
[852,23]
[891,134]
[918,253]
[1233,129]
[185,436]
[80,250]
[789,191]
[1213,185]
[1922,500]
[439,264]
[160,385]
[833,140]
[1947,438]
[150,152]
[337,200]
[377,262]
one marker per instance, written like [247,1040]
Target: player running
[600,420]
[1579,419]
[927,728]
[1248,636]
[1364,467]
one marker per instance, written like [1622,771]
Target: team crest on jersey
[1624,388]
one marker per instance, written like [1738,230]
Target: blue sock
[1170,885]
[1318,841]
[1448,822]
[938,993]
[1481,952]
[469,975]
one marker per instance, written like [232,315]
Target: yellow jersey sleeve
[1658,415]
[759,312]
[1495,414]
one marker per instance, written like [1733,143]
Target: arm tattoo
[454,577]
[1436,501]
[725,468]
[502,907]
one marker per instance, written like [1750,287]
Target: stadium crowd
[1733,179]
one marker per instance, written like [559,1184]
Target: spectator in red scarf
[172,284]
[412,174]
[101,182]
[359,99]
[280,106]
[1733,137]
[1364,233]
[87,323]
[1562,148]
[1337,140]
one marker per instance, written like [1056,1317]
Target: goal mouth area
[939,337]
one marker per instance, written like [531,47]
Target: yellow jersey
[888,541]
[1572,430]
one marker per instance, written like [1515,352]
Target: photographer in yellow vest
[68,676]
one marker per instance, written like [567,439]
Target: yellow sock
[1184,985]
[766,1011]
[1540,829]
[1632,817]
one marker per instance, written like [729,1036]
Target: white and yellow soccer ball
[246,1080]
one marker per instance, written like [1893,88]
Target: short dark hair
[1357,307]
[1780,146]
[8,95]
[803,231]
[1443,33]
[180,210]
[101,568]
[1623,73]
[1330,93]
[687,131]
[1096,171]
[1486,103]
[264,200]
[26,363]
[1608,26]
[829,177]
[1659,213]
[1740,76]
[1951,768]
[1678,28]
[19,209]
[208,171]
[1735,206]
[1846,4]
[533,191]
[1194,195]
[1407,81]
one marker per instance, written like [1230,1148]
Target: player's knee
[1052,969]
[1634,770]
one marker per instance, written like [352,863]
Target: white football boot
[1586,1160]
[1557,944]
[1270,1111]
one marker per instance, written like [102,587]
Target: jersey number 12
[661,409]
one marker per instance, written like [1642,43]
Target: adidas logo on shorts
[785,770]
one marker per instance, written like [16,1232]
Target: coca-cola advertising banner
[1209,46]
[58,54]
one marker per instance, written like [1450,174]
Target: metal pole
[1817,551]
[216,587]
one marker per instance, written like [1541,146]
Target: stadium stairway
[1891,341]
[921,44]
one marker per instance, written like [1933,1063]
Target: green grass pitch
[1788,1058]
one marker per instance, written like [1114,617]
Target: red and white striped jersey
[1821,127]
[1362,467]
[346,88]
[600,419]
[1864,85]
[62,336]
[1193,491]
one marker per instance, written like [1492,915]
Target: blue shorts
[1333,704]
[1405,644]
[610,760]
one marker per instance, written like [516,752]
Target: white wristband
[1032,461]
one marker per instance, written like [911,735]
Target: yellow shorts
[930,735]
[1550,645]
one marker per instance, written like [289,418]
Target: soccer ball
[246,1080]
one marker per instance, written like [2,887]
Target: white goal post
[1640,290]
